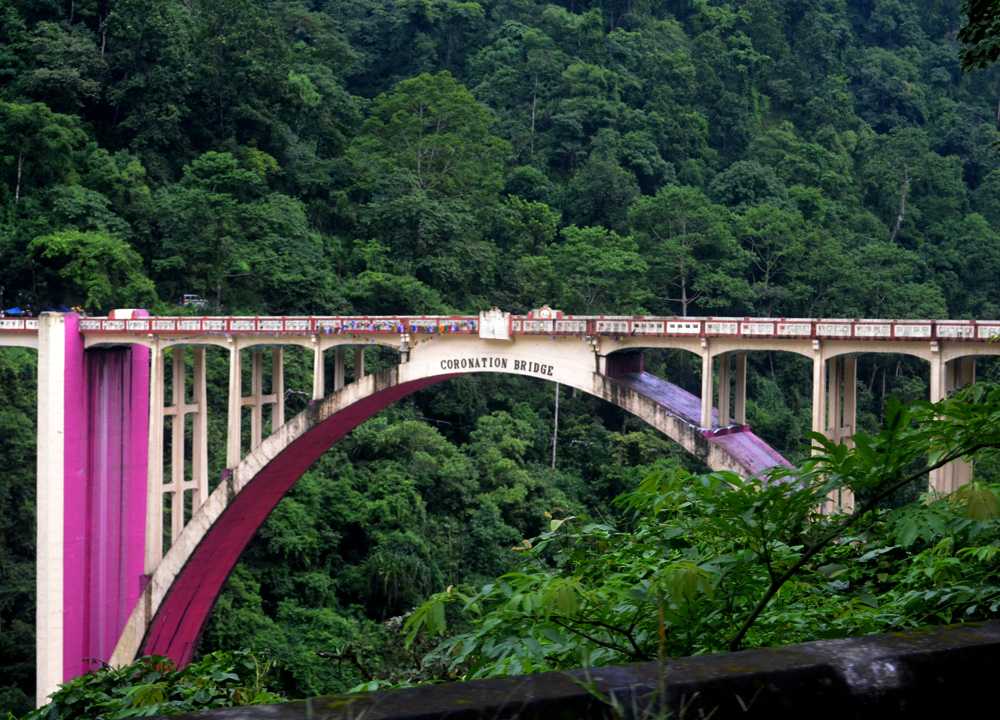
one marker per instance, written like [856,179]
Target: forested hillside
[764,157]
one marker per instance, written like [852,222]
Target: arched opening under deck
[191,574]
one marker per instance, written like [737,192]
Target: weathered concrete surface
[675,412]
[939,672]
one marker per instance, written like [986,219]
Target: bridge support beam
[319,378]
[359,363]
[740,376]
[338,368]
[946,377]
[234,415]
[840,421]
[181,481]
[725,388]
[91,500]
[707,392]
[732,389]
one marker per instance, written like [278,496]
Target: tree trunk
[684,296]
[17,182]
[534,103]
[904,190]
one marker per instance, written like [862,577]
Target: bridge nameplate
[471,363]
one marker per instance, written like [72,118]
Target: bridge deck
[744,445]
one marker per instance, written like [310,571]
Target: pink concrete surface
[137,462]
[750,451]
[675,399]
[118,412]
[106,411]
[177,625]
[75,525]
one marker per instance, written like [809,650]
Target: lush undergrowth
[154,686]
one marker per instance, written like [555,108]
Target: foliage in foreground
[714,562]
[153,686]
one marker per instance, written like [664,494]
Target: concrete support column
[707,394]
[834,384]
[93,437]
[234,431]
[740,375]
[256,395]
[154,475]
[818,391]
[338,368]
[359,363]
[724,390]
[179,411]
[55,425]
[319,379]
[181,482]
[849,365]
[278,388]
[946,377]
[937,378]
[199,448]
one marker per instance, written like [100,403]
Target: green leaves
[153,686]
[96,270]
[702,562]
[980,35]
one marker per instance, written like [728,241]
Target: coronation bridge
[135,540]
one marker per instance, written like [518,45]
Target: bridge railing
[285,325]
[580,325]
[13,324]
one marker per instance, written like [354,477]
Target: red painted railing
[579,325]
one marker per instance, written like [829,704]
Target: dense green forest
[765,157]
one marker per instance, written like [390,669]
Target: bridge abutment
[91,499]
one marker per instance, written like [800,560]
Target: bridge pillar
[707,393]
[359,363]
[180,408]
[946,377]
[258,400]
[338,368]
[732,389]
[840,420]
[818,392]
[725,387]
[234,420]
[740,376]
[91,500]
[278,387]
[319,379]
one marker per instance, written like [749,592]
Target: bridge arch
[179,596]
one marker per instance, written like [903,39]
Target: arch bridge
[134,544]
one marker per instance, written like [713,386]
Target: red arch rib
[175,628]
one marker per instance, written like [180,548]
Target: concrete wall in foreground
[939,672]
